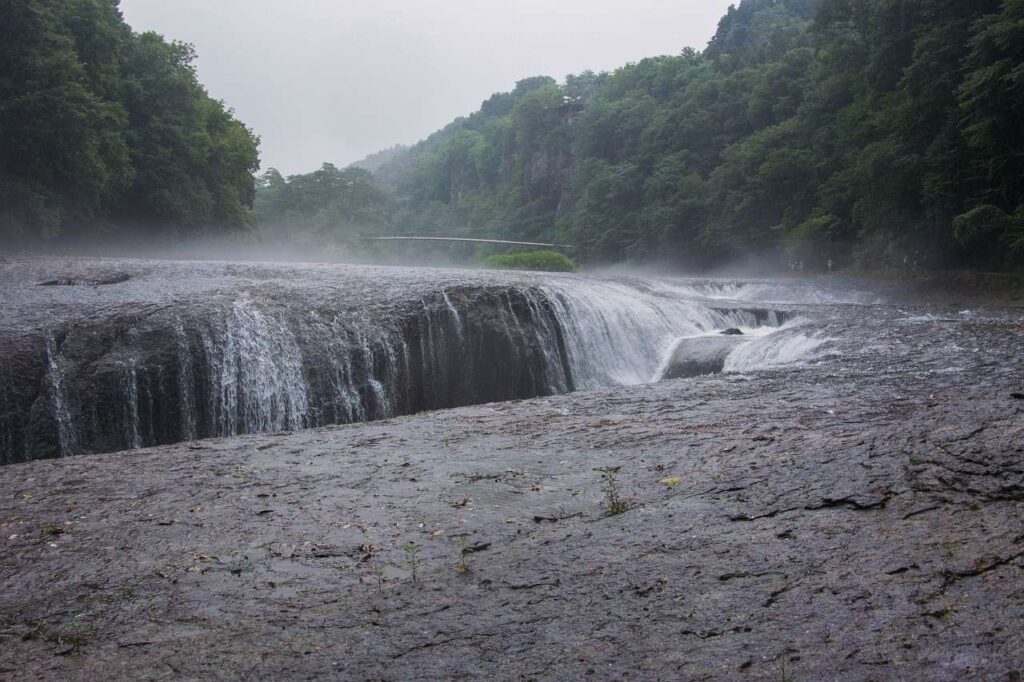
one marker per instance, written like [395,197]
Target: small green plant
[615,503]
[784,675]
[52,529]
[464,555]
[412,559]
[73,634]
[378,573]
[76,634]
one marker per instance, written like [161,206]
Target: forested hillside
[858,130]
[863,131]
[105,131]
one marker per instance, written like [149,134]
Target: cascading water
[262,387]
[186,399]
[264,361]
[781,348]
[456,319]
[130,391]
[619,335]
[67,438]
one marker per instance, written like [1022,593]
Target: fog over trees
[853,130]
[870,132]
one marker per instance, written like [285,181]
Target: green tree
[104,130]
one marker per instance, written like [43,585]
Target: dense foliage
[541,261]
[878,130]
[323,206]
[102,129]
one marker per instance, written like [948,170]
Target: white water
[186,399]
[456,319]
[775,292]
[258,373]
[67,436]
[618,334]
[784,347]
[254,370]
[130,388]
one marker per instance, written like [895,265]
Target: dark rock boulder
[699,355]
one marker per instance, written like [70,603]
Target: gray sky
[335,80]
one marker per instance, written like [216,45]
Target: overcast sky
[335,80]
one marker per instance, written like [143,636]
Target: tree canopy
[855,130]
[330,204]
[106,130]
[858,131]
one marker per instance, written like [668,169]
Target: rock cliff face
[129,380]
[99,356]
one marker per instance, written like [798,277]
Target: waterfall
[257,361]
[67,436]
[782,348]
[456,320]
[262,387]
[344,403]
[617,334]
[186,386]
[130,391]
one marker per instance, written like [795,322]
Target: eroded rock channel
[134,355]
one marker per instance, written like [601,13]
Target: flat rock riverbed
[858,516]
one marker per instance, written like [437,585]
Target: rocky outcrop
[140,378]
[700,355]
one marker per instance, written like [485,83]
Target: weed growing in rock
[464,556]
[378,573]
[672,481]
[412,559]
[76,634]
[52,529]
[72,635]
[614,502]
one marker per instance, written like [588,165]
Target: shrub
[989,236]
[544,261]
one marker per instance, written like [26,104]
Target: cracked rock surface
[860,517]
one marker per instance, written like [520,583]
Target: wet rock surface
[857,517]
[697,356]
[119,354]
